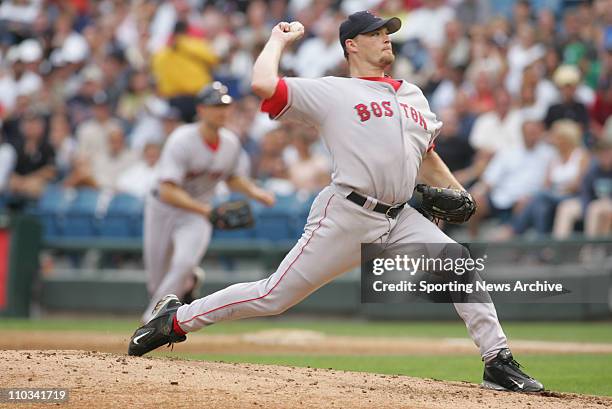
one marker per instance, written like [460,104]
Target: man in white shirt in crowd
[319,55]
[512,176]
[498,129]
[139,178]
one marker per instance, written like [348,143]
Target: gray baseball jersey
[196,166]
[377,132]
[376,136]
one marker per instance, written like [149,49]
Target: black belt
[389,211]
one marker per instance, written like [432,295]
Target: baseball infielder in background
[380,134]
[177,229]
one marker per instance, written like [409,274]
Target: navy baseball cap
[214,94]
[365,22]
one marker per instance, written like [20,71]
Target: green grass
[584,373]
[545,331]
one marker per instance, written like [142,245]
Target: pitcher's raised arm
[265,69]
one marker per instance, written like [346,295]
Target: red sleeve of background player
[277,102]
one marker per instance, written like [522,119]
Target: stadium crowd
[89,90]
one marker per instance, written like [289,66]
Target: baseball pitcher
[380,133]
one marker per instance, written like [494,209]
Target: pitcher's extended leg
[329,246]
[480,318]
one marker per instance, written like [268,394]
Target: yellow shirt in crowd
[184,68]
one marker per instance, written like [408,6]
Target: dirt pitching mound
[105,380]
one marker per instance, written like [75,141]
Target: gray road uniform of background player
[377,138]
[175,239]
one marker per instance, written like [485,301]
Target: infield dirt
[107,380]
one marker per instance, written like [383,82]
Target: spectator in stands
[445,93]
[492,132]
[488,55]
[310,172]
[522,53]
[164,21]
[271,167]
[64,145]
[92,135]
[567,78]
[182,68]
[512,178]
[547,27]
[133,101]
[11,126]
[8,158]
[522,14]
[154,123]
[594,205]
[602,108]
[257,29]
[25,67]
[35,165]
[536,94]
[457,45]
[456,152]
[88,84]
[116,75]
[270,150]
[498,129]
[483,96]
[17,18]
[119,158]
[563,180]
[428,23]
[320,55]
[102,171]
[465,117]
[472,12]
[8,91]
[138,179]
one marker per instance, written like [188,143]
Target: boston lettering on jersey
[196,174]
[383,109]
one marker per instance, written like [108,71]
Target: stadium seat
[276,223]
[51,209]
[80,218]
[123,217]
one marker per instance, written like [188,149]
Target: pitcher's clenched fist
[288,32]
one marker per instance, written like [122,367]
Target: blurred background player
[194,160]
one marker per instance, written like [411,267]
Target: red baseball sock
[176,327]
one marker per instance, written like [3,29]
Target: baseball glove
[451,205]
[232,215]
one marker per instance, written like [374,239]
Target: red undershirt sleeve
[277,102]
